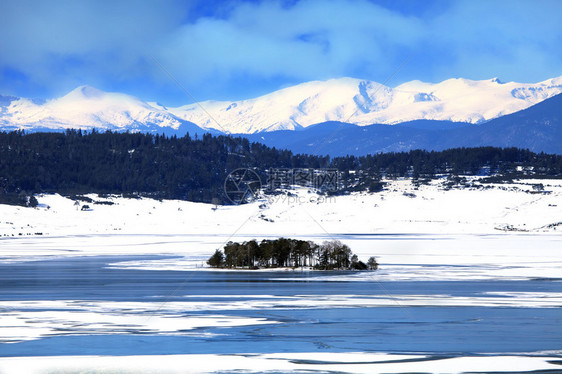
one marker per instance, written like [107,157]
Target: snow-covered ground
[370,363]
[509,231]
[524,206]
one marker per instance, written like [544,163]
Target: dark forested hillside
[152,165]
[195,168]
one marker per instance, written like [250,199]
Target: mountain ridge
[365,102]
[294,108]
[538,128]
[86,108]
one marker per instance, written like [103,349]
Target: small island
[289,253]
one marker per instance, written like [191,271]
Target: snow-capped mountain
[364,102]
[347,100]
[538,128]
[84,108]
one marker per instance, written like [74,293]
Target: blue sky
[231,50]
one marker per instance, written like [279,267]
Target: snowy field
[527,206]
[509,231]
[485,233]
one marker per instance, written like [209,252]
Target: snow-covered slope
[349,100]
[84,108]
[403,207]
[365,102]
[509,231]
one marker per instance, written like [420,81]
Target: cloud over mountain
[231,50]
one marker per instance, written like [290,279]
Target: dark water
[429,329]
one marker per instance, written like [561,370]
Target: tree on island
[216,260]
[358,265]
[372,263]
[284,252]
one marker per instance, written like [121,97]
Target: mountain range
[86,108]
[538,128]
[364,103]
[337,117]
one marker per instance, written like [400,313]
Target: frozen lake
[132,303]
[470,281]
[82,306]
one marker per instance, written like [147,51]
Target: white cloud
[263,45]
